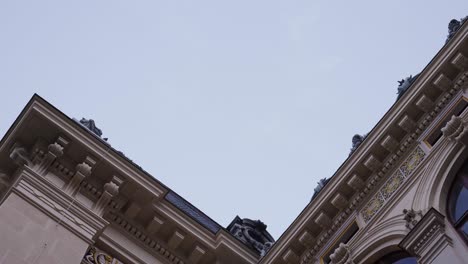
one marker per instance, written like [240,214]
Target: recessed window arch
[457,202]
[397,257]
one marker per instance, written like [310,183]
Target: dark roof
[192,211]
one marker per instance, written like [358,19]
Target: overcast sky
[238,106]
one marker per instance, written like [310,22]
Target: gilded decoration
[94,256]
[373,206]
[412,161]
[392,184]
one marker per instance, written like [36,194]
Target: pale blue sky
[239,106]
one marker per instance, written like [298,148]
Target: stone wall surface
[30,236]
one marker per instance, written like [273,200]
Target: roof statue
[91,125]
[252,233]
[319,187]
[453,27]
[404,84]
[357,140]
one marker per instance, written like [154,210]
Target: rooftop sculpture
[91,125]
[453,26]
[404,84]
[252,233]
[319,187]
[356,141]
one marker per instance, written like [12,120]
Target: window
[398,257]
[458,202]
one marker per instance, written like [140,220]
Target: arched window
[398,257]
[458,202]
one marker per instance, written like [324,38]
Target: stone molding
[427,238]
[141,235]
[58,205]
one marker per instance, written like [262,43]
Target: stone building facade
[67,196]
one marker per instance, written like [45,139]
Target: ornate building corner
[427,239]
[341,255]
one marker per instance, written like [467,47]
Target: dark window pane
[398,257]
[410,260]
[458,197]
[464,228]
[461,205]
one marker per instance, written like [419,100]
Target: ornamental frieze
[394,182]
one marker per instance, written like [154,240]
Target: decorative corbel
[341,255]
[454,129]
[55,150]
[411,217]
[20,155]
[111,189]
[83,170]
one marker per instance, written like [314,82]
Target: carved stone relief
[95,256]
[411,217]
[341,255]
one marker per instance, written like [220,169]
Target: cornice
[375,154]
[139,234]
[100,197]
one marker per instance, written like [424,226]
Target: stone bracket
[83,170]
[111,189]
[55,150]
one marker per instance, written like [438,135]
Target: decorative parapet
[393,184]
